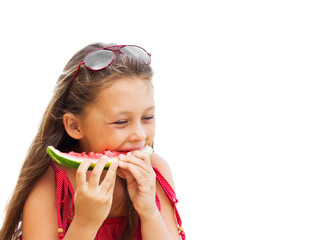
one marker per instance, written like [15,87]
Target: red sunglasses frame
[109,48]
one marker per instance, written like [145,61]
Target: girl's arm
[40,216]
[154,227]
[39,213]
[167,209]
[142,186]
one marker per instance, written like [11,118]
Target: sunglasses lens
[99,59]
[136,52]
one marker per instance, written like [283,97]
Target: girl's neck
[120,199]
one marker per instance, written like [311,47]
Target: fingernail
[129,153]
[114,164]
[122,164]
[121,156]
[89,162]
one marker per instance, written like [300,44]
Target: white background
[240,94]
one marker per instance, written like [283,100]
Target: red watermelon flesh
[73,159]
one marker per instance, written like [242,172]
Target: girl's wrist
[78,230]
[153,226]
[85,225]
[149,216]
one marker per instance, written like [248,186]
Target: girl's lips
[131,149]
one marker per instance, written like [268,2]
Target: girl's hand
[93,199]
[141,181]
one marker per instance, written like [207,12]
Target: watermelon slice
[73,159]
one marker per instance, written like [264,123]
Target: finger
[137,174]
[124,169]
[110,177]
[133,171]
[130,163]
[97,171]
[81,172]
[130,159]
[142,155]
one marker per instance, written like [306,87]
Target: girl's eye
[124,122]
[120,122]
[148,117]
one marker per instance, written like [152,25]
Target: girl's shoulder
[163,167]
[44,187]
[39,213]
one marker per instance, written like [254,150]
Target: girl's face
[120,119]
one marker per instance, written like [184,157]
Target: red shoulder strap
[64,200]
[172,198]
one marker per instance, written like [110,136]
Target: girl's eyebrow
[126,112]
[150,108]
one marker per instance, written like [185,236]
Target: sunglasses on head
[103,57]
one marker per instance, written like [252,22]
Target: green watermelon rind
[56,156]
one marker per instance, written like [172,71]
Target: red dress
[111,228]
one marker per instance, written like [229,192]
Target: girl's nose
[138,133]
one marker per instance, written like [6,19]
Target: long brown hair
[65,99]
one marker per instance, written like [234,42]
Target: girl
[103,100]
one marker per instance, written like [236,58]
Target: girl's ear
[72,125]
